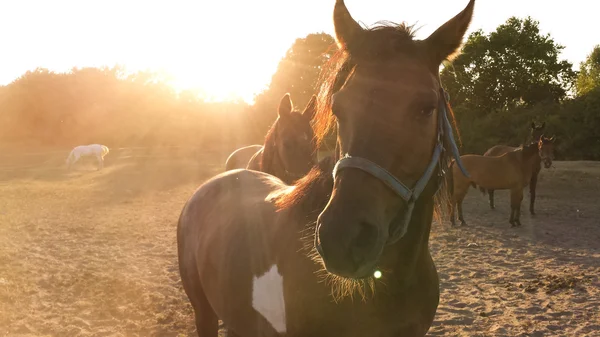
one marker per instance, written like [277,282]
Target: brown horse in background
[511,171]
[275,260]
[289,151]
[535,134]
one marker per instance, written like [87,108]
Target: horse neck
[271,162]
[530,157]
[536,163]
[528,162]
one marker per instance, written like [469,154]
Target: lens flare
[377,274]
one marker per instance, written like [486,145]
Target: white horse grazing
[100,151]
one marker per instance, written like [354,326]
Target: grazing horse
[276,260]
[498,150]
[97,150]
[289,151]
[511,171]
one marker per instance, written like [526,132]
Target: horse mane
[311,192]
[269,149]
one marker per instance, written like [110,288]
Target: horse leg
[532,187]
[75,159]
[100,162]
[516,197]
[452,215]
[460,213]
[461,193]
[491,195]
[207,322]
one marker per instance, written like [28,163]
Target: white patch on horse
[267,298]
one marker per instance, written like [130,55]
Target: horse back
[254,162]
[491,172]
[499,150]
[241,157]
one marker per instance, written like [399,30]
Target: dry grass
[93,253]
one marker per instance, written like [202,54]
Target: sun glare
[222,53]
[218,85]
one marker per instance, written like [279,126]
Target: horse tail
[450,179]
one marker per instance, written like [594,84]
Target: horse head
[290,143]
[546,150]
[392,123]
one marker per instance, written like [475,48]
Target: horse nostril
[364,242]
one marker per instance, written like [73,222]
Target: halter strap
[389,179]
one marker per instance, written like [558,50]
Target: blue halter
[409,195]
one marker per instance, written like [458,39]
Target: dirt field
[92,253]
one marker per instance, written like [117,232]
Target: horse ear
[311,108]
[553,138]
[533,125]
[543,125]
[444,43]
[347,31]
[285,106]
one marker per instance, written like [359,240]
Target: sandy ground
[92,253]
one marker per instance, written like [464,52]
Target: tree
[297,73]
[109,106]
[589,73]
[514,66]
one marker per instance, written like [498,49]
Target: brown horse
[289,151]
[511,171]
[536,133]
[276,260]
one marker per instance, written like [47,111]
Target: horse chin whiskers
[341,287]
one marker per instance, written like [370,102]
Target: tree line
[105,105]
[498,85]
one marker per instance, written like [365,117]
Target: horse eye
[428,111]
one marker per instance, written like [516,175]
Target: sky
[230,49]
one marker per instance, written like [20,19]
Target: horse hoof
[462,223]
